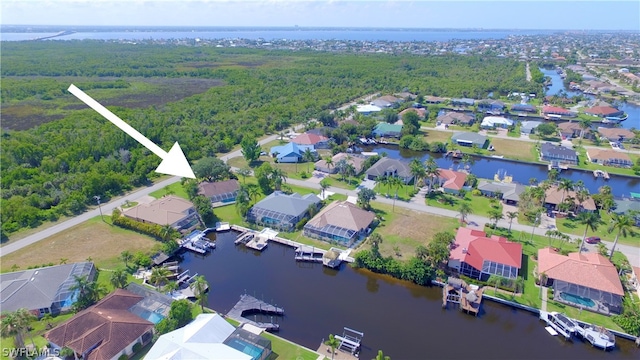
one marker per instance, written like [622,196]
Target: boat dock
[197,242]
[602,174]
[222,226]
[248,305]
[468,297]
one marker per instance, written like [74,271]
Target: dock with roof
[249,305]
[468,297]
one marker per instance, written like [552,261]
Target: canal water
[484,167]
[406,321]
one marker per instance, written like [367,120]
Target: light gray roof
[469,137]
[528,125]
[625,205]
[294,204]
[510,191]
[387,164]
[39,288]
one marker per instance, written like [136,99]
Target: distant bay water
[398,35]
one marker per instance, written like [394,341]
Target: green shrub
[136,347]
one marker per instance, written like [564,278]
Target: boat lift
[350,340]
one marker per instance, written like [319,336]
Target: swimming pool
[151,316]
[249,349]
[586,302]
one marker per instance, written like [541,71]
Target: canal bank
[404,320]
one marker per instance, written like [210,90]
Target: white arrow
[173,162]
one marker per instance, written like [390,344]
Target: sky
[494,14]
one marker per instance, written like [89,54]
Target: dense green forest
[56,167]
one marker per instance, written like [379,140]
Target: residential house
[556,153]
[386,101]
[154,306]
[282,211]
[554,197]
[290,153]
[384,129]
[340,221]
[609,157]
[524,108]
[475,255]
[491,106]
[43,290]
[528,127]
[604,111]
[433,100]
[491,122]
[463,102]
[219,192]
[626,206]
[390,167]
[572,129]
[355,160]
[616,134]
[368,109]
[315,140]
[469,139]
[507,192]
[106,330]
[453,117]
[171,210]
[210,336]
[588,281]
[554,110]
[422,112]
[451,181]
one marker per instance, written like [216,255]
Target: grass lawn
[514,149]
[175,189]
[572,226]
[101,241]
[436,135]
[36,334]
[407,229]
[404,191]
[584,163]
[284,349]
[480,205]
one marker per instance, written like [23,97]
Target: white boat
[598,336]
[559,322]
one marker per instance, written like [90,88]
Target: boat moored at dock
[598,336]
[559,322]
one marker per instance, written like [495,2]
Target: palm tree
[395,182]
[382,356]
[329,161]
[88,292]
[333,343]
[171,286]
[324,185]
[159,275]
[565,185]
[200,287]
[584,125]
[417,170]
[511,215]
[126,256]
[495,215]
[350,170]
[253,190]
[118,279]
[308,156]
[591,221]
[166,231]
[464,210]
[244,172]
[383,181]
[431,171]
[278,177]
[15,323]
[623,224]
[341,166]
[533,181]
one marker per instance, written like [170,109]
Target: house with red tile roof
[318,141]
[554,197]
[422,112]
[105,330]
[451,181]
[603,111]
[171,210]
[554,110]
[477,256]
[589,281]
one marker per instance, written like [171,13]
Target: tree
[333,343]
[243,201]
[511,215]
[623,225]
[167,232]
[422,252]
[463,210]
[329,161]
[250,149]
[200,287]
[88,292]
[277,177]
[547,129]
[495,215]
[365,196]
[384,182]
[118,279]
[324,185]
[584,125]
[411,120]
[395,183]
[159,275]
[211,169]
[308,156]
[431,172]
[326,118]
[591,221]
[496,281]
[553,175]
[382,356]
[15,324]
[263,174]
[376,240]
[244,172]
[253,190]
[417,170]
[565,185]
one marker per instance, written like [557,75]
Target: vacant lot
[514,149]
[435,135]
[102,242]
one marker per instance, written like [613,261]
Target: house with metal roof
[626,206]
[290,153]
[556,153]
[340,221]
[475,255]
[44,290]
[462,102]
[390,167]
[507,192]
[384,129]
[210,336]
[524,108]
[106,330]
[282,211]
[588,280]
[528,127]
[368,109]
[491,122]
[490,105]
[219,192]
[171,210]
[469,139]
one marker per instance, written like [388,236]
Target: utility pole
[99,207]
